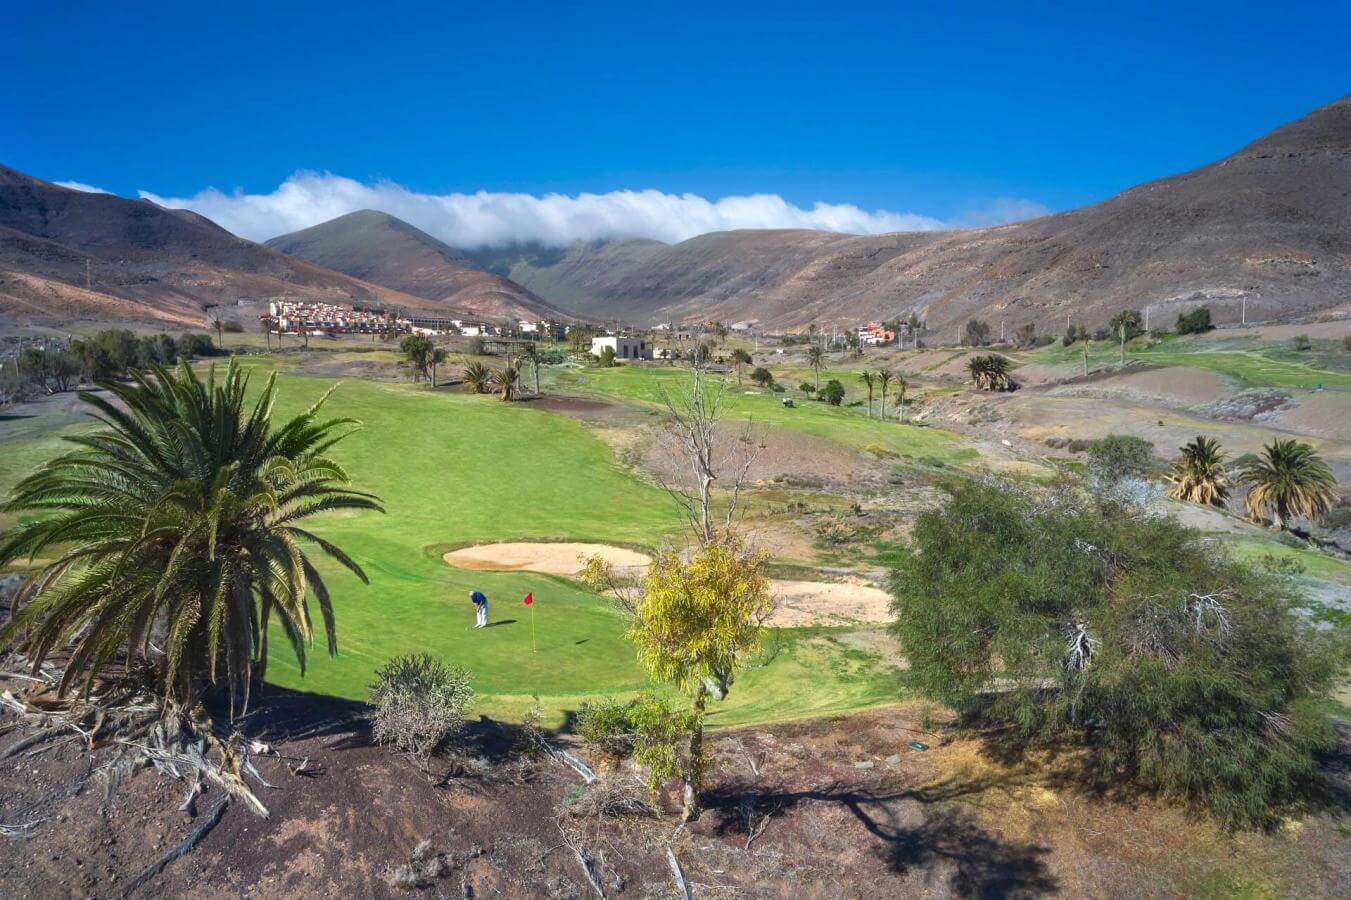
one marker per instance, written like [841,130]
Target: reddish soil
[834,807]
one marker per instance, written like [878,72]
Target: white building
[625,347]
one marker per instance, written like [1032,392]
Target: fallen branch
[31,741]
[677,874]
[584,863]
[763,824]
[194,837]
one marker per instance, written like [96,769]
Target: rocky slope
[379,248]
[1270,224]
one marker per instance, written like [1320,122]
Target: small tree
[436,357]
[976,333]
[1195,322]
[507,378]
[1199,476]
[1289,480]
[1119,456]
[417,350]
[884,379]
[1026,335]
[832,393]
[740,359]
[695,626]
[1128,322]
[607,358]
[762,377]
[419,703]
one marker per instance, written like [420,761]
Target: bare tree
[694,413]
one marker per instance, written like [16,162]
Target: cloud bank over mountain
[487,219]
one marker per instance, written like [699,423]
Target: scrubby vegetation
[1059,618]
[419,703]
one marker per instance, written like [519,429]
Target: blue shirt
[478,598]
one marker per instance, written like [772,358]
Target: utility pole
[1146,319]
[88,280]
[1245,311]
[1001,331]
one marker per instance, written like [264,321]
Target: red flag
[529,598]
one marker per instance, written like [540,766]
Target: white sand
[795,602]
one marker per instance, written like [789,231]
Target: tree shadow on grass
[915,829]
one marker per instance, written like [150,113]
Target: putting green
[454,469]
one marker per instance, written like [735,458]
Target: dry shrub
[419,702]
[611,796]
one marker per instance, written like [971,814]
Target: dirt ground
[796,602]
[827,808]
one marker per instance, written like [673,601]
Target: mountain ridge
[378,247]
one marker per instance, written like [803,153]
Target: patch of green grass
[1314,564]
[1233,884]
[643,385]
[1242,359]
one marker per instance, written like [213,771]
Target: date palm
[884,378]
[901,387]
[868,379]
[816,358]
[1199,476]
[477,376]
[1289,480]
[181,520]
[991,372]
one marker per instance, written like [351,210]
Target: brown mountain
[1271,223]
[69,255]
[379,248]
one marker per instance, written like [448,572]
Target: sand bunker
[796,602]
[549,558]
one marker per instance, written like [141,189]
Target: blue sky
[937,110]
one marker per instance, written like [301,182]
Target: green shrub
[1183,672]
[807,387]
[833,392]
[1302,343]
[762,376]
[419,702]
[1195,322]
[648,730]
[1120,456]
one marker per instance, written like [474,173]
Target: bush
[1119,456]
[231,326]
[1302,343]
[1195,322]
[1346,342]
[807,387]
[647,730]
[762,377]
[833,392]
[1181,671]
[976,333]
[419,703]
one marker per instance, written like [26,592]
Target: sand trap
[549,558]
[795,602]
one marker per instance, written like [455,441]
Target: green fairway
[851,427]
[453,468]
[1240,358]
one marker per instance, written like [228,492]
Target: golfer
[481,605]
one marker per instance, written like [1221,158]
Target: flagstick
[533,648]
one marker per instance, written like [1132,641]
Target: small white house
[625,347]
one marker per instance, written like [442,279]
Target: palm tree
[505,379]
[884,377]
[1290,480]
[991,373]
[1199,476]
[867,378]
[477,376]
[436,357]
[740,359]
[901,387]
[816,358]
[180,519]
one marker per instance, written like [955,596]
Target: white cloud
[81,186]
[487,219]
